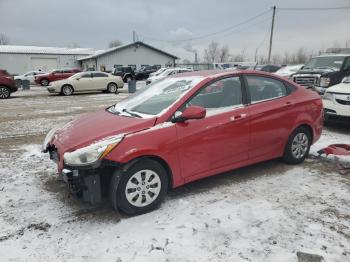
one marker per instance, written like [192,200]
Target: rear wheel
[4,92]
[128,79]
[141,188]
[67,90]
[298,146]
[112,88]
[44,82]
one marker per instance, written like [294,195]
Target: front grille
[343,102]
[307,81]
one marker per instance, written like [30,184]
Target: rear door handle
[238,117]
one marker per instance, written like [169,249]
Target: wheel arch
[67,85]
[158,159]
[307,127]
[112,82]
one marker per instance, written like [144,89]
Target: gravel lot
[266,212]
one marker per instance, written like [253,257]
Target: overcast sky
[92,23]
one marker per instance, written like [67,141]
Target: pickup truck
[323,71]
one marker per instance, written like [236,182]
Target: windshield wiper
[131,113]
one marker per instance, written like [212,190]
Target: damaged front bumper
[91,183]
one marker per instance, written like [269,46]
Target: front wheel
[112,88]
[298,146]
[67,90]
[141,188]
[4,92]
[128,79]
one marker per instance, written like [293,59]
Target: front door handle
[238,117]
[288,104]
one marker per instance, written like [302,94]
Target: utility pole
[271,34]
[133,36]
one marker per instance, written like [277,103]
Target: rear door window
[265,88]
[99,75]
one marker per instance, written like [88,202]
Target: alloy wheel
[300,145]
[4,92]
[143,188]
[112,88]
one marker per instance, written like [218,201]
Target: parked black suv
[145,71]
[125,72]
[268,68]
[323,71]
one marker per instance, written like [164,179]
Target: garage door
[44,64]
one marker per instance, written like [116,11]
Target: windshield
[333,62]
[156,98]
[166,72]
[77,75]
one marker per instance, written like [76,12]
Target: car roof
[221,73]
[327,55]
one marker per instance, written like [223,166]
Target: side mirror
[192,112]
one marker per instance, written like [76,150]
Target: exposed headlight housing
[48,139]
[325,81]
[328,96]
[92,153]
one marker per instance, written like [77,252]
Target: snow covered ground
[266,212]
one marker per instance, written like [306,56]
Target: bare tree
[185,61]
[211,54]
[224,54]
[4,40]
[115,43]
[241,57]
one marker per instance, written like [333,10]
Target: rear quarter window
[263,88]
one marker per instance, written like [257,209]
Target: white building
[21,59]
[136,55]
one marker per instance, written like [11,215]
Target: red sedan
[183,128]
[46,79]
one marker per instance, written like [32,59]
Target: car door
[272,116]
[99,81]
[221,139]
[83,82]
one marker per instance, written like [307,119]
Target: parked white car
[336,101]
[167,72]
[288,70]
[159,71]
[29,76]
[87,81]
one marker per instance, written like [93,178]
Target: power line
[312,8]
[211,34]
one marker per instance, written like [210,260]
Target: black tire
[112,88]
[119,184]
[67,90]
[128,79]
[298,146]
[5,92]
[44,82]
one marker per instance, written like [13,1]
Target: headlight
[328,96]
[324,81]
[48,139]
[92,153]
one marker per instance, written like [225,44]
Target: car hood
[58,82]
[343,88]
[317,71]
[93,127]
